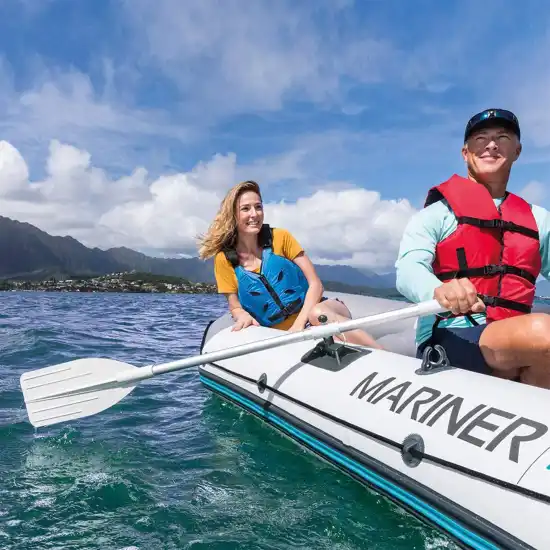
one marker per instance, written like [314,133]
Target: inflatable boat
[467,453]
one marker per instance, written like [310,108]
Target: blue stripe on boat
[445,522]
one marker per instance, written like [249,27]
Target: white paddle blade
[73,390]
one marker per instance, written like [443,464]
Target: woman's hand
[243,320]
[297,326]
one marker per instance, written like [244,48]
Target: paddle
[84,387]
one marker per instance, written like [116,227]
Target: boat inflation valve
[431,364]
[262,383]
[412,450]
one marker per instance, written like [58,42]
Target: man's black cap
[492,117]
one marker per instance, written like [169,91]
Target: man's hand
[460,296]
[244,320]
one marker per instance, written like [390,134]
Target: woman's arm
[228,286]
[242,318]
[314,293]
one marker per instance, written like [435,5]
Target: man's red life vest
[497,249]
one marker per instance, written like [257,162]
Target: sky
[125,122]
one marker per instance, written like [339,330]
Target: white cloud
[241,56]
[203,59]
[534,192]
[14,173]
[244,56]
[349,225]
[530,100]
[523,60]
[67,104]
[272,169]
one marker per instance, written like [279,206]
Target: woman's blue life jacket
[277,292]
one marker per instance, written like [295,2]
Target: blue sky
[302,96]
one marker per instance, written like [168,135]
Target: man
[478,249]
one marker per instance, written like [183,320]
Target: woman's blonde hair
[222,232]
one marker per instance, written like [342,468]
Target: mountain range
[29,253]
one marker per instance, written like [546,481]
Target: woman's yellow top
[284,244]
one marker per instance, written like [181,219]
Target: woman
[264,272]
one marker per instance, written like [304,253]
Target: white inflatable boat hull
[468,453]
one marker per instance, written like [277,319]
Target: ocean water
[171,466]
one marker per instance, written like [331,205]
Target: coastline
[132,282]
[145,282]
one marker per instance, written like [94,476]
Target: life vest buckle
[488,300]
[509,226]
[291,308]
[493,269]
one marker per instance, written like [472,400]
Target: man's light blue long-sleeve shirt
[415,276]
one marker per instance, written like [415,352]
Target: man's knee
[539,332]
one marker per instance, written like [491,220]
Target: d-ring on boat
[468,453]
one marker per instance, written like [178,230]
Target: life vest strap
[497,301]
[492,301]
[287,311]
[449,315]
[487,270]
[265,240]
[232,257]
[499,224]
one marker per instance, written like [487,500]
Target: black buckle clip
[487,300]
[493,269]
[287,311]
[292,308]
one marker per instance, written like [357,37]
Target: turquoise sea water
[171,466]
